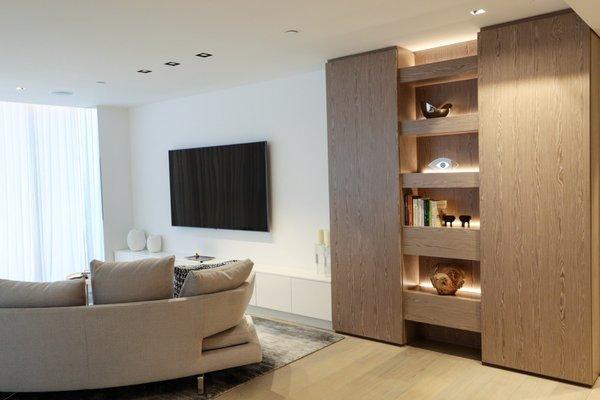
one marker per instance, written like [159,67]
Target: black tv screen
[220,187]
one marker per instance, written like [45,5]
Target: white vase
[136,240]
[154,243]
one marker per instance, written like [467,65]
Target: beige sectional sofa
[100,346]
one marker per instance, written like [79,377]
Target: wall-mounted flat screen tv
[224,187]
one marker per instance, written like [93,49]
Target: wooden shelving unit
[457,125]
[453,70]
[447,75]
[441,180]
[456,242]
[462,311]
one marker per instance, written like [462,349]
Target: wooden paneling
[364,189]
[443,71]
[443,53]
[445,242]
[441,180]
[462,95]
[534,118]
[469,267]
[467,123]
[459,312]
[463,149]
[461,201]
[595,191]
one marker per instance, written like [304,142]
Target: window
[50,193]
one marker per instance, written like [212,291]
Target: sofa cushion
[182,271]
[239,334]
[226,277]
[16,294]
[126,282]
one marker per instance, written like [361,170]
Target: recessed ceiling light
[101,82]
[20,88]
[478,11]
[172,63]
[292,31]
[204,55]
[144,71]
[62,93]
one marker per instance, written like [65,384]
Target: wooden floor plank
[361,369]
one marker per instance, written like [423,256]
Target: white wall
[113,132]
[290,114]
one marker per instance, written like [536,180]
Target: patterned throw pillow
[181,272]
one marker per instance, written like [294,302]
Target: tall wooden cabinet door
[364,194]
[534,113]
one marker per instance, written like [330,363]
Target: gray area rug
[282,343]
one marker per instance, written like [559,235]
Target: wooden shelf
[441,180]
[446,242]
[444,71]
[459,124]
[462,311]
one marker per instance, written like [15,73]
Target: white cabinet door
[274,292]
[311,298]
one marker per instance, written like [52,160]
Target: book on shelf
[420,211]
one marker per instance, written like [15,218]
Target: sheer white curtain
[50,193]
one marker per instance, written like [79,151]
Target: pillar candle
[320,236]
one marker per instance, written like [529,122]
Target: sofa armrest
[224,310]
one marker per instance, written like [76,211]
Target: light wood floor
[361,369]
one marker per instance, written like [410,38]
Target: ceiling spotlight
[144,71]
[19,88]
[478,11]
[62,93]
[172,63]
[292,31]
[204,55]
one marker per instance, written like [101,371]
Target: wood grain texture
[455,69]
[469,267]
[459,312]
[463,149]
[595,193]
[356,369]
[455,337]
[364,189]
[441,180]
[535,197]
[461,201]
[462,95]
[443,53]
[462,243]
[467,123]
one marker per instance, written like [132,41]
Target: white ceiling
[71,44]
[589,11]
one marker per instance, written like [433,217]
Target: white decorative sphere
[136,240]
[154,243]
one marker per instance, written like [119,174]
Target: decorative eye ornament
[443,164]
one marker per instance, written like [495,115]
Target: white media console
[287,293]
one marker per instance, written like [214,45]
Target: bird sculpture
[430,111]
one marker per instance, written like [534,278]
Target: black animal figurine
[465,219]
[430,111]
[448,218]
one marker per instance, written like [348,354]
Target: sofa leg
[201,384]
